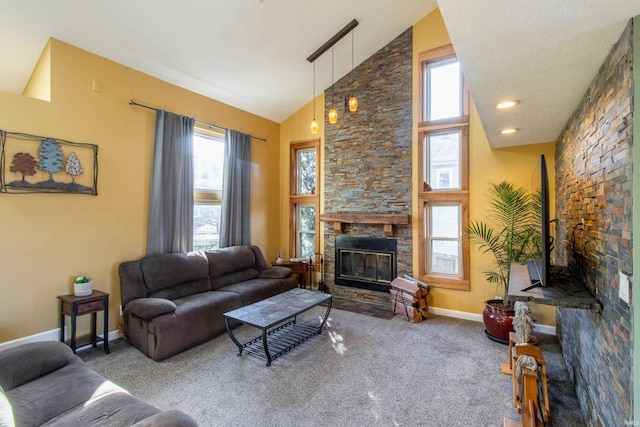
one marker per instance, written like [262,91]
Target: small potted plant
[82,286]
[510,235]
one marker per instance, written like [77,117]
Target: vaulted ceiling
[251,54]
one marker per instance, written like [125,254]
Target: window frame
[302,199]
[426,196]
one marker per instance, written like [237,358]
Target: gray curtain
[171,199]
[236,190]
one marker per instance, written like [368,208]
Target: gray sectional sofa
[172,302]
[45,384]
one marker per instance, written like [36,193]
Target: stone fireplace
[367,173]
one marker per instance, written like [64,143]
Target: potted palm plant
[510,235]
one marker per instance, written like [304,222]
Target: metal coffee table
[277,317]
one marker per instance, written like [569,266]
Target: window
[208,159]
[442,160]
[304,199]
[444,99]
[305,229]
[443,239]
[444,151]
[306,171]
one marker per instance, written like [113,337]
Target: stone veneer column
[593,183]
[367,154]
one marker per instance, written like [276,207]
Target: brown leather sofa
[44,383]
[172,302]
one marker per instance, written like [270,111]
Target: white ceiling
[544,53]
[251,54]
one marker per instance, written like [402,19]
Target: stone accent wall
[367,154]
[593,183]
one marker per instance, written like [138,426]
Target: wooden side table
[299,267]
[73,306]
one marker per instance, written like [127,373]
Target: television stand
[579,296]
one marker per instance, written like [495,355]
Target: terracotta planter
[498,320]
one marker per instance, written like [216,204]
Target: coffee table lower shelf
[279,341]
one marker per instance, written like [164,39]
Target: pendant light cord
[332,83]
[352,91]
[351,50]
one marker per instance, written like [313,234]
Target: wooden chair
[518,350]
[528,406]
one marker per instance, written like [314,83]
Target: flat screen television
[540,271]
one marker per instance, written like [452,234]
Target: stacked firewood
[409,298]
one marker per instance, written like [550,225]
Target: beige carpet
[361,371]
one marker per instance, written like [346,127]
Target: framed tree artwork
[36,164]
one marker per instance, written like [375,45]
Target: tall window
[304,199]
[208,158]
[444,170]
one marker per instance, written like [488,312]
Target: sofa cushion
[31,361]
[175,275]
[229,265]
[275,272]
[116,408]
[258,289]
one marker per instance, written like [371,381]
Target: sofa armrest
[275,272]
[29,361]
[148,308]
[131,282]
[170,418]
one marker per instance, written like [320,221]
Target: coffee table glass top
[271,311]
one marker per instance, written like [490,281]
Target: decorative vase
[498,320]
[83,289]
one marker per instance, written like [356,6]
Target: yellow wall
[48,239]
[518,165]
[39,84]
[295,129]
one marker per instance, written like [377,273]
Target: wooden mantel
[387,220]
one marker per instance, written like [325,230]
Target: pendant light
[333,114]
[353,101]
[314,123]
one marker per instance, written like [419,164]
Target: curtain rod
[137,104]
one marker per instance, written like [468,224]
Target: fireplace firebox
[366,262]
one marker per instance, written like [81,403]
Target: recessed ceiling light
[509,130]
[507,104]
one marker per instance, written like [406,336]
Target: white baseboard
[544,329]
[475,317]
[52,335]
